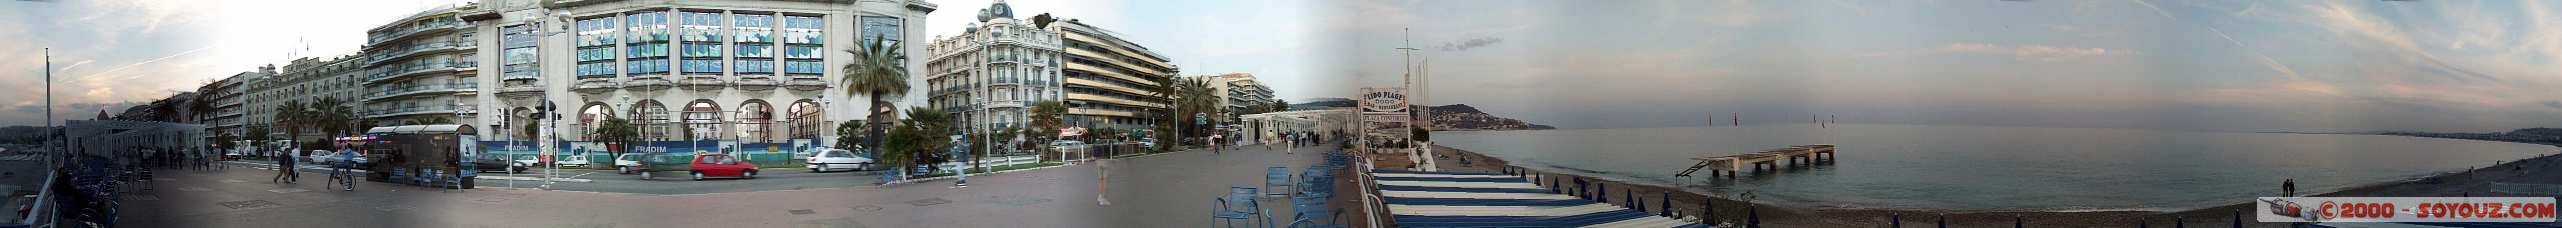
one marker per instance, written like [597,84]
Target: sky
[2470,66]
[113,54]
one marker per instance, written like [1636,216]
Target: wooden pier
[1731,165]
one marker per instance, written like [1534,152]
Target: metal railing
[406,90]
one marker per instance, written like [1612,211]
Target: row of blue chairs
[1315,188]
[1308,193]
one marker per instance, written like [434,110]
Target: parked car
[837,159]
[574,161]
[497,162]
[720,166]
[316,156]
[627,163]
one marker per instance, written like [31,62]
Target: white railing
[992,162]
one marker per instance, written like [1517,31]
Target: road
[608,181]
[1163,190]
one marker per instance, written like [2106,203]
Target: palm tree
[329,117]
[617,130]
[292,116]
[1187,96]
[877,71]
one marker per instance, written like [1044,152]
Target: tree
[224,141]
[849,135]
[922,132]
[617,130]
[877,71]
[1046,121]
[292,116]
[1279,105]
[258,134]
[1189,97]
[332,119]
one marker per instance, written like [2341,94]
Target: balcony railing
[415,110]
[413,89]
[423,26]
[409,69]
[396,53]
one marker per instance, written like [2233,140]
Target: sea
[1998,168]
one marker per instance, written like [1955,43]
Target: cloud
[1472,43]
[2032,52]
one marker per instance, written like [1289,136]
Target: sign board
[1386,125]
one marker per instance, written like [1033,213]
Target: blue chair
[1240,204]
[1276,177]
[1307,219]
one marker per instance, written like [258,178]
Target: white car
[626,163]
[836,159]
[574,161]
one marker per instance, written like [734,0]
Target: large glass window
[804,67]
[518,54]
[802,29]
[646,50]
[880,27]
[596,47]
[701,43]
[755,52]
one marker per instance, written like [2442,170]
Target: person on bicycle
[341,172]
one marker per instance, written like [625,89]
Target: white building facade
[988,76]
[1110,80]
[733,71]
[309,81]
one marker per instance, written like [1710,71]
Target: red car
[721,165]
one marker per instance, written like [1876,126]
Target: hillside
[1461,117]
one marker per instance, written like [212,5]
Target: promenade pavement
[1162,190]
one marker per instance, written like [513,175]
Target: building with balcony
[421,69]
[989,74]
[738,71]
[1240,93]
[1109,81]
[304,80]
[225,94]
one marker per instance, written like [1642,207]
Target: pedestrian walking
[1103,180]
[284,169]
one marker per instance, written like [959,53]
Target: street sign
[1200,118]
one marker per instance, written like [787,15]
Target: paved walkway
[1164,190]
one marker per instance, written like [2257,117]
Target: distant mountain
[1461,117]
[1324,103]
[2546,136]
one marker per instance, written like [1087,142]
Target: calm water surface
[2001,168]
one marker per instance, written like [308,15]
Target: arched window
[593,117]
[805,120]
[754,119]
[703,119]
[652,119]
[516,120]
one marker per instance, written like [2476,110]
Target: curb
[907,181]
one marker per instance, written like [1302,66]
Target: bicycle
[341,175]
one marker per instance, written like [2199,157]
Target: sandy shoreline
[1687,202]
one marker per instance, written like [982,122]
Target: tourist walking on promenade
[284,169]
[1216,145]
[1103,180]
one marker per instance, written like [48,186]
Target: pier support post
[1707,210]
[1631,194]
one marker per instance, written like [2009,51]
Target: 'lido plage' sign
[1383,100]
